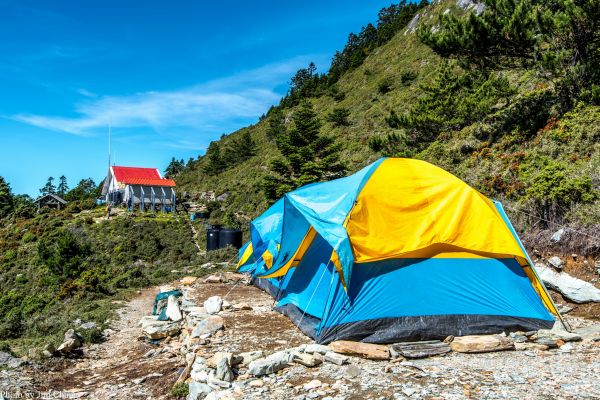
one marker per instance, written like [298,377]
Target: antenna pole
[109,128]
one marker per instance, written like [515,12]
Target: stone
[420,349]
[314,384]
[72,341]
[7,360]
[352,371]
[481,343]
[213,362]
[224,372]
[530,346]
[308,360]
[250,356]
[558,334]
[173,312]
[188,280]
[217,383]
[591,332]
[557,236]
[270,364]
[572,288]
[556,262]
[316,348]
[241,306]
[365,350]
[335,358]
[86,326]
[208,326]
[548,342]
[256,383]
[213,279]
[213,304]
[161,329]
[198,391]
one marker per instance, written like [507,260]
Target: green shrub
[180,390]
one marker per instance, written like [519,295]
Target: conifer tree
[6,198]
[308,156]
[49,187]
[62,187]
[215,162]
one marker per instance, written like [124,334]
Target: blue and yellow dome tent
[400,250]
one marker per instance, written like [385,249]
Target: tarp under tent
[400,250]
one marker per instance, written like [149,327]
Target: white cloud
[211,107]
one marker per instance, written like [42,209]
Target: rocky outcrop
[572,288]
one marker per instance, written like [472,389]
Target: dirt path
[118,367]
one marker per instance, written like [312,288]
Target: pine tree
[49,187]
[276,124]
[174,167]
[215,161]
[308,156]
[6,198]
[85,189]
[63,187]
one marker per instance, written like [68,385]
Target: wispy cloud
[214,106]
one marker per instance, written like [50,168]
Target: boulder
[213,304]
[188,280]
[7,360]
[270,364]
[308,360]
[198,391]
[316,348]
[556,262]
[481,344]
[589,332]
[86,326]
[558,235]
[173,312]
[213,279]
[224,372]
[214,361]
[161,329]
[419,349]
[208,326]
[335,358]
[572,288]
[558,334]
[365,350]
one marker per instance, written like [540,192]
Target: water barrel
[231,237]
[212,239]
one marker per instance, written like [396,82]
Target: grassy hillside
[523,151]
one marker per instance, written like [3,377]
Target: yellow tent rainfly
[400,250]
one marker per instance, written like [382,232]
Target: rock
[572,288]
[7,360]
[250,356]
[556,262]
[557,236]
[48,350]
[214,361]
[530,346]
[307,360]
[558,334]
[198,391]
[564,309]
[270,364]
[208,326]
[173,312]
[365,350]
[224,372]
[481,343]
[256,383]
[335,358]
[161,329]
[548,342]
[241,306]
[314,384]
[589,332]
[352,371]
[420,349]
[316,348]
[188,280]
[147,320]
[217,383]
[213,304]
[213,279]
[72,341]
[86,326]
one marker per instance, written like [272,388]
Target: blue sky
[169,76]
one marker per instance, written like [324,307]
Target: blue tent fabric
[388,300]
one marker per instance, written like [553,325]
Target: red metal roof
[123,173]
[149,182]
[140,176]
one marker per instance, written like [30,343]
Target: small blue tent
[400,250]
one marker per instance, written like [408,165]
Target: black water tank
[231,237]
[212,239]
